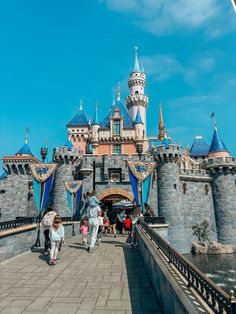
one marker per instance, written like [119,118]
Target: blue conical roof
[128,123]
[199,147]
[217,145]
[69,145]
[79,119]
[25,150]
[95,119]
[138,119]
[136,67]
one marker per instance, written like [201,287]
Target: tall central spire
[81,105]
[118,92]
[26,135]
[136,67]
[162,131]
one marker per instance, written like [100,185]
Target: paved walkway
[110,280]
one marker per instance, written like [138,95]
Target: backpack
[48,219]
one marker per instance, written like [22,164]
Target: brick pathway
[110,280]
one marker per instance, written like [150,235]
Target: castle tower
[137,98]
[161,126]
[222,169]
[95,128]
[67,158]
[78,130]
[169,194]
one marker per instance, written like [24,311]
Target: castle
[188,186]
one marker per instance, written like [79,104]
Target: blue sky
[55,52]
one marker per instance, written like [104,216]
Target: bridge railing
[22,221]
[217,299]
[154,220]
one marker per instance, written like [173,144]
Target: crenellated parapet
[67,155]
[172,153]
[220,165]
[137,100]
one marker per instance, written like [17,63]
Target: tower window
[117,149]
[136,92]
[116,127]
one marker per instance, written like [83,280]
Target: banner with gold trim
[140,169]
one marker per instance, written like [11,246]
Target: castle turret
[137,98]
[169,194]
[67,158]
[78,130]
[222,168]
[95,128]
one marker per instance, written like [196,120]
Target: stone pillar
[222,171]
[170,197]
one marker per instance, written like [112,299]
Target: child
[106,224]
[56,236]
[128,223]
[84,231]
[100,228]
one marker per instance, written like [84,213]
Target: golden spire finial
[161,126]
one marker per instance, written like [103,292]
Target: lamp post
[43,152]
[139,148]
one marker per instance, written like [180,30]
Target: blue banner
[145,190]
[134,184]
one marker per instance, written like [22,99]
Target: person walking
[100,227]
[121,220]
[56,235]
[92,213]
[112,215]
[84,231]
[46,224]
[135,218]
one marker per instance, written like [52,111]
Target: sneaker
[114,235]
[52,262]
[90,250]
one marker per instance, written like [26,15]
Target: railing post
[232,302]
[169,255]
[188,276]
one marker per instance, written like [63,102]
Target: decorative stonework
[122,192]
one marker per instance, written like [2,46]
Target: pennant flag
[135,187]
[43,175]
[74,193]
[141,170]
[42,171]
[140,174]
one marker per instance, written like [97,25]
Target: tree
[202,231]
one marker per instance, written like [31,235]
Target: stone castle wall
[197,205]
[15,197]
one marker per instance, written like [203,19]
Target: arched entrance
[113,196]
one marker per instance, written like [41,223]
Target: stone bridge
[115,278]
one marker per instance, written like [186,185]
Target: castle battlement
[171,153]
[137,100]
[64,153]
[220,164]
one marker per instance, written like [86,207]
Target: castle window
[117,149]
[136,92]
[116,127]
[2,191]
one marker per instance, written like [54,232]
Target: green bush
[202,231]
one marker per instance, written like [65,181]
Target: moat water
[219,268]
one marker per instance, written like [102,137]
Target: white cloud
[161,66]
[162,17]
